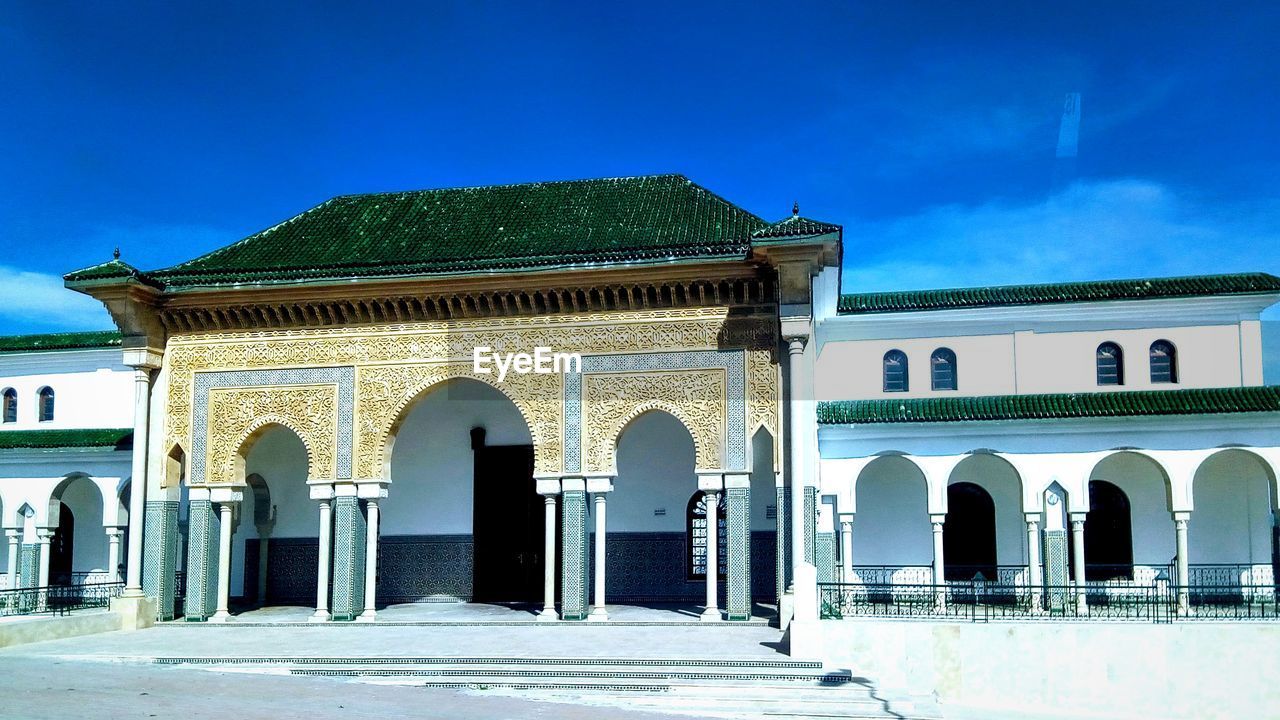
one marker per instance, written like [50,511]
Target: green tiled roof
[59,341]
[1092,291]
[1051,406]
[117,438]
[794,226]
[659,218]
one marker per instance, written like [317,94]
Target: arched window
[969,534]
[1164,362]
[1108,534]
[1110,364]
[10,405]
[46,404]
[943,369]
[697,533]
[895,371]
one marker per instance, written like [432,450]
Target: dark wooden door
[508,524]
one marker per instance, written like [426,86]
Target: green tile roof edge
[1054,406]
[60,341]
[115,438]
[1051,293]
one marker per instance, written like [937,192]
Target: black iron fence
[57,599]
[980,601]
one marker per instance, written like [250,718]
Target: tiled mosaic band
[738,606]
[160,556]
[202,561]
[573,592]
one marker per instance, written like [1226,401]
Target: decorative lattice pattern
[348,558]
[783,541]
[160,555]
[573,593]
[202,560]
[825,552]
[739,550]
[29,565]
[810,524]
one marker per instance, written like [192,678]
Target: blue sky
[927,129]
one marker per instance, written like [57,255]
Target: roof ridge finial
[116,253]
[795,209]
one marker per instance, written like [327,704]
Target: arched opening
[969,534]
[1129,532]
[10,405]
[697,531]
[648,541]
[44,406]
[997,546]
[463,520]
[78,548]
[1164,362]
[764,519]
[896,377]
[1110,361]
[892,536]
[1108,534]
[275,511]
[1229,540]
[942,369]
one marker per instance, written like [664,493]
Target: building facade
[320,419]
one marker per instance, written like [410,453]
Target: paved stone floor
[480,612]
[42,687]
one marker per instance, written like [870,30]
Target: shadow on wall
[1271,352]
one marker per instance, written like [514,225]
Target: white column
[799,459]
[113,552]
[45,535]
[223,612]
[15,535]
[322,571]
[370,563]
[1035,574]
[1180,521]
[712,613]
[846,548]
[598,612]
[549,560]
[1077,568]
[138,481]
[939,562]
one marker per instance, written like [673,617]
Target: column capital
[737,480]
[548,487]
[1032,517]
[114,531]
[372,489]
[320,490]
[937,519]
[710,480]
[600,484]
[573,484]
[1077,517]
[1181,516]
[226,495]
[143,359]
[13,534]
[44,535]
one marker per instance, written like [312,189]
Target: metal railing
[980,601]
[57,599]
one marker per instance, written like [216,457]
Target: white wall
[1232,518]
[655,472]
[432,464]
[92,389]
[892,525]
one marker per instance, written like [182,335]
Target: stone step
[558,662]
[813,677]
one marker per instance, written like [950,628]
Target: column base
[598,614]
[320,616]
[137,611]
[131,593]
[548,615]
[367,616]
[220,617]
[710,615]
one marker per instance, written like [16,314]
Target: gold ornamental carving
[611,400]
[385,393]
[236,414]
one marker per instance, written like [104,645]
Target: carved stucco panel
[611,400]
[384,394]
[764,382]
[311,411]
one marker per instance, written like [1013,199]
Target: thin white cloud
[39,302]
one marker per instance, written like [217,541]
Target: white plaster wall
[92,389]
[89,540]
[1001,481]
[655,472]
[280,458]
[1232,518]
[764,492]
[854,369]
[1142,482]
[1029,362]
[432,464]
[892,523]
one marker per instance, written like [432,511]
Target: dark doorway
[508,524]
[1108,534]
[969,534]
[61,547]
